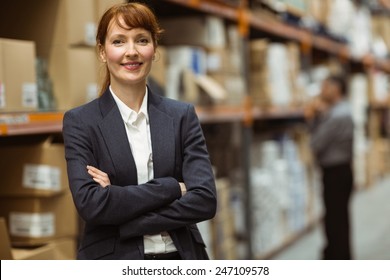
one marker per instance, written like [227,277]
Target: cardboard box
[33,170]
[102,5]
[18,87]
[184,63]
[74,23]
[224,61]
[378,93]
[75,75]
[235,86]
[37,24]
[158,71]
[50,22]
[381,28]
[259,76]
[36,221]
[5,245]
[223,224]
[385,23]
[61,249]
[188,57]
[199,31]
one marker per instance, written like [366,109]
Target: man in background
[331,127]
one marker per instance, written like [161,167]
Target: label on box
[92,91]
[90,33]
[30,95]
[42,177]
[32,225]
[2,96]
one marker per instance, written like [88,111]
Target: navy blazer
[117,217]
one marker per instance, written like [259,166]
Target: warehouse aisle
[371,228]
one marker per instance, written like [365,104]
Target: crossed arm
[103,180]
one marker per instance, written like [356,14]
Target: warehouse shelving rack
[42,122]
[246,113]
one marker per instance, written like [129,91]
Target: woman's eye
[117,42]
[143,41]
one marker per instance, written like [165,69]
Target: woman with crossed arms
[138,166]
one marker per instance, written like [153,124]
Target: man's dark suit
[117,217]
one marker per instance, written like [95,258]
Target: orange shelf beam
[209,7]
[25,123]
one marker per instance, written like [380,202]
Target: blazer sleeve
[198,204]
[112,205]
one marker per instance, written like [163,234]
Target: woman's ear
[102,53]
[156,55]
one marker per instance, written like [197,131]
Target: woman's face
[128,54]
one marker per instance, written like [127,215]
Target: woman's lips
[131,66]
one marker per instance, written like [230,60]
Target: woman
[138,166]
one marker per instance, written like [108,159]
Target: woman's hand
[99,176]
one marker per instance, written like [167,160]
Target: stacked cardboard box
[274,84]
[224,239]
[38,220]
[378,89]
[206,31]
[18,87]
[226,66]
[204,63]
[343,20]
[187,55]
[75,72]
[64,32]
[61,249]
[315,9]
[381,35]
[73,63]
[33,170]
[318,9]
[258,79]
[34,195]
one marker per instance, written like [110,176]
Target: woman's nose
[131,50]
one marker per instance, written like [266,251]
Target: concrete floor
[370,209]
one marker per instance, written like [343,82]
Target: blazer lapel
[114,134]
[163,138]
